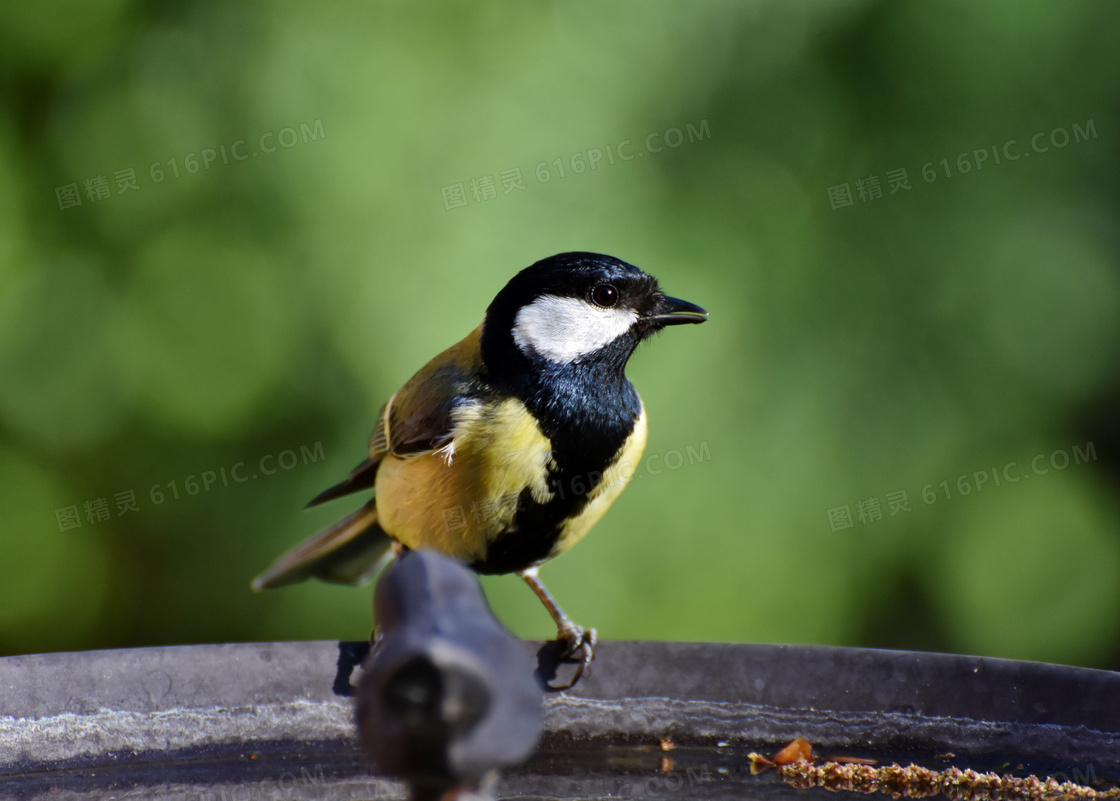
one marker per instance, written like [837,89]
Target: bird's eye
[605,295]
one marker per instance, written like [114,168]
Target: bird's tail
[351,551]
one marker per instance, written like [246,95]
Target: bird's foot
[579,646]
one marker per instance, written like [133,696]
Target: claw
[579,647]
[578,643]
[577,638]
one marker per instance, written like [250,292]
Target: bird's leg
[579,642]
[396,551]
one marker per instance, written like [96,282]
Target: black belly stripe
[535,532]
[589,419]
[538,526]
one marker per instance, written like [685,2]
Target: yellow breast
[459,498]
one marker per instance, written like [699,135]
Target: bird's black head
[577,308]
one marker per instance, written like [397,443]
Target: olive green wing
[417,419]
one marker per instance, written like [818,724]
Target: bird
[447,696]
[505,449]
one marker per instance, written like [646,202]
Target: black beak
[674,311]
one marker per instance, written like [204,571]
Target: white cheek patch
[566,329]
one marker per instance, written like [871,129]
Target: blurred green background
[286,210]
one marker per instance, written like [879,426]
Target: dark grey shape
[448,695]
[182,722]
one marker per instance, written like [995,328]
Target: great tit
[505,449]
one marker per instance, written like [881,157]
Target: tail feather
[349,552]
[360,478]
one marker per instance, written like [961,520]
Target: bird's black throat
[588,410]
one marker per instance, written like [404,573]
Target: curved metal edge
[213,702]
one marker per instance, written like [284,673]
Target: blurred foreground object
[448,696]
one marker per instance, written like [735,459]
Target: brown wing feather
[346,553]
[416,420]
[364,475]
[360,478]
